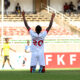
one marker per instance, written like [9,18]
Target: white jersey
[37,44]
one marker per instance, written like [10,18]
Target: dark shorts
[6,58]
[23,61]
[78,7]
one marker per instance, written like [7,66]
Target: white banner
[17,60]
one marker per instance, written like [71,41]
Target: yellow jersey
[6,48]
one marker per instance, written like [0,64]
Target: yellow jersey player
[5,49]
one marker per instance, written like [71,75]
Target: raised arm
[25,22]
[51,22]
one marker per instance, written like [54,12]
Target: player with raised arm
[37,46]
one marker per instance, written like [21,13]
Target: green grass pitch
[48,75]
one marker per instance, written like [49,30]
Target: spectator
[6,6]
[18,9]
[66,8]
[71,6]
[78,6]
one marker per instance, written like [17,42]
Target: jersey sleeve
[32,33]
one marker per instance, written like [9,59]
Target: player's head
[28,42]
[6,40]
[18,4]
[38,29]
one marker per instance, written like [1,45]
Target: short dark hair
[17,3]
[38,29]
[6,38]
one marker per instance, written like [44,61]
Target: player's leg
[32,68]
[42,63]
[4,61]
[33,63]
[23,64]
[42,69]
[24,61]
[9,62]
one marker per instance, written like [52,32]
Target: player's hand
[1,54]
[23,13]
[53,15]
[14,50]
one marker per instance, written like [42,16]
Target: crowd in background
[71,7]
[68,7]
[7,5]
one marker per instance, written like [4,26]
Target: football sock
[42,69]
[11,67]
[3,66]
[32,69]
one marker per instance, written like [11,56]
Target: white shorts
[37,58]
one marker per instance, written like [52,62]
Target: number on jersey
[39,43]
